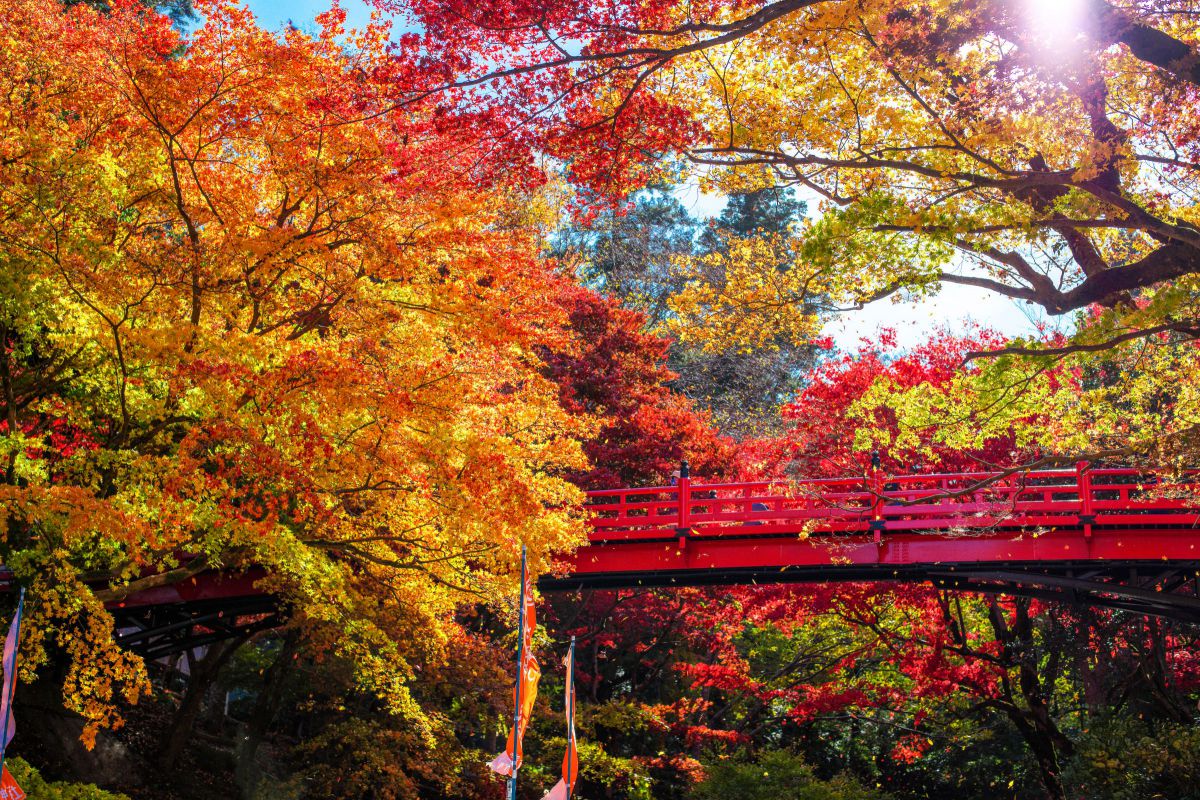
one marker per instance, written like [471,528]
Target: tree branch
[1179,327]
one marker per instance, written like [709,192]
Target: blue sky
[954,308]
[274,14]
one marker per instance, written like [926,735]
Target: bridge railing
[946,502]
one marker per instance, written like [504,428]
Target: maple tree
[254,314]
[616,374]
[1044,157]
[951,98]
[608,371]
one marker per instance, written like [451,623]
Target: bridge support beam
[1169,591]
[155,631]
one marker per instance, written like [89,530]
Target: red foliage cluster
[60,438]
[533,69]
[616,371]
[820,440]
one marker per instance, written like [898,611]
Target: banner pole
[570,715]
[512,781]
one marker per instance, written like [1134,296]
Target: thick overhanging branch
[191,569]
[1041,285]
[1166,263]
[1147,43]
[749,156]
[1015,292]
[1107,288]
[1189,328]
[1043,462]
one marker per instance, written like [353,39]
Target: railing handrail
[1079,497]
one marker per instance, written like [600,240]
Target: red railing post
[1083,477]
[685,491]
[877,521]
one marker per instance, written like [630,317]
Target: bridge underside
[1170,590]
[1154,572]
[1167,589]
[156,631]
[1140,567]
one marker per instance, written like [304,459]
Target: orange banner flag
[528,675]
[570,766]
[9,790]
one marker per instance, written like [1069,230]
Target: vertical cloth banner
[528,675]
[8,723]
[570,766]
[9,790]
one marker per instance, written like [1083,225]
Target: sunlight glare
[1055,21]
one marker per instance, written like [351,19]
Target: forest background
[364,308]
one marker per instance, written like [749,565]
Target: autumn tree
[254,314]
[1044,157]
[953,74]
[642,253]
[609,372]
[615,372]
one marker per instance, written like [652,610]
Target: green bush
[777,775]
[38,789]
[1134,760]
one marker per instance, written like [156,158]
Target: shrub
[36,788]
[777,775]
[1133,760]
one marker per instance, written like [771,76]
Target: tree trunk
[1044,752]
[1158,674]
[204,673]
[1094,675]
[1035,723]
[265,709]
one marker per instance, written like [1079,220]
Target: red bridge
[1109,537]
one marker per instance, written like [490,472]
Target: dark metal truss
[1167,590]
[154,631]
